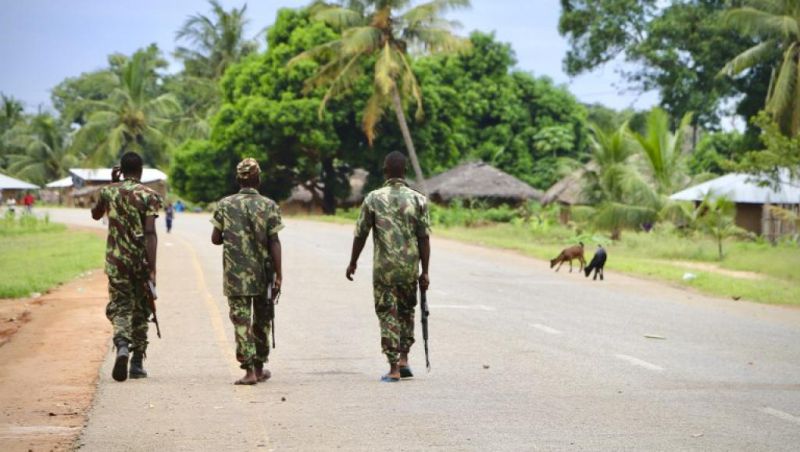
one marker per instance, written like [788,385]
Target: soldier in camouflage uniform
[132,209]
[247,224]
[399,219]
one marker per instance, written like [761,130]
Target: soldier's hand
[116,174]
[424,282]
[351,270]
[276,288]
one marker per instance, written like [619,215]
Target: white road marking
[638,362]
[781,415]
[474,307]
[545,328]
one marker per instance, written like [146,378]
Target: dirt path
[49,356]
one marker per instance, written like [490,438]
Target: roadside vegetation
[38,255]
[751,269]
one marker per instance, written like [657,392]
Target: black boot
[137,368]
[120,372]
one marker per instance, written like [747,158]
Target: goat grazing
[568,254]
[597,264]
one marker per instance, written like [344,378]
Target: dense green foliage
[676,47]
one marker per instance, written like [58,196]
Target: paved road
[523,359]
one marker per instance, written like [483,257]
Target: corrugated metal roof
[104,174]
[743,188]
[61,183]
[9,183]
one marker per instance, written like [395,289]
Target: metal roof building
[61,183]
[744,189]
[104,175]
[755,201]
[9,183]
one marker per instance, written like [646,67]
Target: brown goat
[568,254]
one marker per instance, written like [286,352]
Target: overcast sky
[44,41]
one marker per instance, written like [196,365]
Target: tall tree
[267,114]
[675,47]
[775,24]
[42,150]
[377,31]
[216,41]
[133,117]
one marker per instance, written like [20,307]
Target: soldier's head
[131,165]
[394,165]
[248,173]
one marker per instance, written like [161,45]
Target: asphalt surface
[523,359]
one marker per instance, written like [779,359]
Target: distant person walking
[247,225]
[400,223]
[28,200]
[170,215]
[132,209]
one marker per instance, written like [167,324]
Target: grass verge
[35,259]
[662,256]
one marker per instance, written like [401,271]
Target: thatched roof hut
[567,191]
[479,181]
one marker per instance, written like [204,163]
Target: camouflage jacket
[398,216]
[128,203]
[246,220]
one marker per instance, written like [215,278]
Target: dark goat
[597,264]
[568,254]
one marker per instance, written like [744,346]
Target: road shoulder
[50,363]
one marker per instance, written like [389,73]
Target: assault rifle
[272,300]
[150,290]
[423,306]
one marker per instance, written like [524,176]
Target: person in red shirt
[28,201]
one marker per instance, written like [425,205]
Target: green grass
[37,256]
[658,255]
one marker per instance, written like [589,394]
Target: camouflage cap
[247,167]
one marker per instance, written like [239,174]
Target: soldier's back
[246,220]
[129,203]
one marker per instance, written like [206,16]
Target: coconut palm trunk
[412,153]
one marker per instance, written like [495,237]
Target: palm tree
[376,32]
[218,41]
[716,217]
[623,198]
[663,151]
[776,24]
[131,118]
[43,152]
[10,112]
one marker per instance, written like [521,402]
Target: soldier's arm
[358,246]
[100,208]
[274,243]
[151,244]
[365,222]
[424,244]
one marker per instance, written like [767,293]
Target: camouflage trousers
[128,312]
[251,327]
[395,308]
